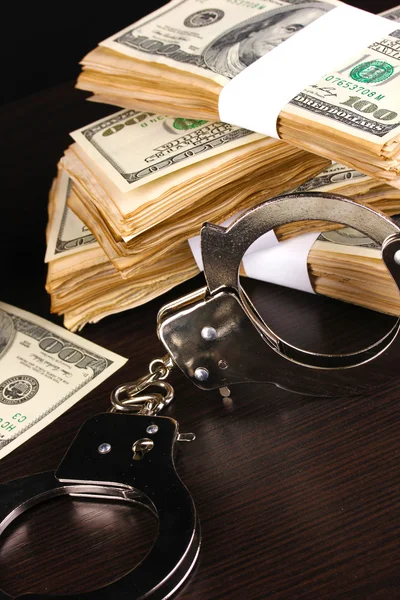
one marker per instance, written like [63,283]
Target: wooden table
[298,497]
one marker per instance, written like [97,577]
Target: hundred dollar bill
[362,94]
[68,234]
[44,370]
[350,241]
[392,13]
[160,146]
[218,41]
[215,39]
[332,178]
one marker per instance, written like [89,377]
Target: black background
[42,47]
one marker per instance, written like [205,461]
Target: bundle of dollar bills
[144,183]
[134,188]
[177,60]
[86,286]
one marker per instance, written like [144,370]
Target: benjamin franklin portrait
[237,48]
[7,332]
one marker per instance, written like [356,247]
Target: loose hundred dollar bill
[134,148]
[68,234]
[44,370]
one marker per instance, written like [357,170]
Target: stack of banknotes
[86,285]
[177,60]
[134,188]
[143,183]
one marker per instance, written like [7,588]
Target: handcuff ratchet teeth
[217,338]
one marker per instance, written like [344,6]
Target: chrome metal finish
[104,448]
[246,349]
[208,333]
[128,397]
[396,257]
[180,303]
[201,374]
[152,429]
[223,247]
[186,437]
[118,476]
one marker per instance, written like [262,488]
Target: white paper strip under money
[282,263]
[44,370]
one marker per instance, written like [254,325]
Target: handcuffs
[217,338]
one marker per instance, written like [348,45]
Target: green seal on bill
[372,71]
[184,124]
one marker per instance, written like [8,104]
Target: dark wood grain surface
[298,497]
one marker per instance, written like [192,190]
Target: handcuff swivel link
[128,397]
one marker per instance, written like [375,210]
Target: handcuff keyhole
[141,447]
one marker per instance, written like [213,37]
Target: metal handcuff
[217,338]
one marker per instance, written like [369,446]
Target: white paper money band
[282,263]
[254,98]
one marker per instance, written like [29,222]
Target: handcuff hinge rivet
[152,429]
[201,374]
[209,334]
[104,448]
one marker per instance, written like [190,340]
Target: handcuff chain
[128,397]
